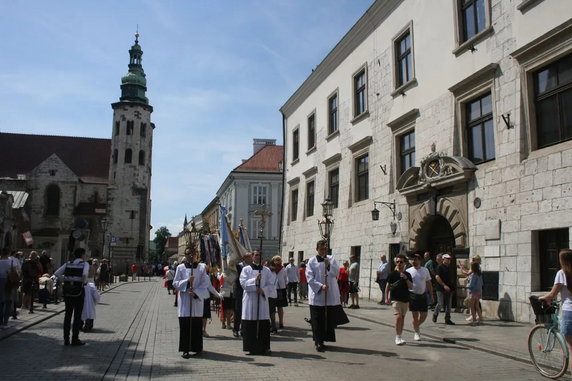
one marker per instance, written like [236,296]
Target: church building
[88,192]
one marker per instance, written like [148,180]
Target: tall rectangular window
[407,151]
[360,100]
[294,205]
[333,114]
[311,131]
[116,127]
[404,59]
[473,17]
[553,102]
[259,194]
[310,193]
[480,131]
[549,244]
[129,127]
[362,178]
[295,144]
[143,130]
[334,186]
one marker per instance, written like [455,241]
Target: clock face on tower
[433,169]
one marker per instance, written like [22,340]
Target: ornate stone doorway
[436,236]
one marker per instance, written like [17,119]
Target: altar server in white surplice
[258,284]
[191,281]
[326,312]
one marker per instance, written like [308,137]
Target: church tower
[129,202]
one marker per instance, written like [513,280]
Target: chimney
[258,144]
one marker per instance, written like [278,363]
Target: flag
[243,237]
[224,233]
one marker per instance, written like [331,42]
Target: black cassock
[185,334]
[326,331]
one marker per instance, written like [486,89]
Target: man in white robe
[324,296]
[257,282]
[191,281]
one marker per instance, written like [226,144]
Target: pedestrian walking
[257,283]
[475,289]
[191,281]
[326,312]
[445,288]
[293,276]
[73,274]
[418,305]
[31,271]
[382,273]
[91,298]
[354,282]
[397,294]
[303,283]
[344,283]
[169,276]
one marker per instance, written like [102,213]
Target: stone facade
[513,209]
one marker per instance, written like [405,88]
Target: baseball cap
[445,256]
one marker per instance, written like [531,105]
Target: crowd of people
[27,280]
[254,306]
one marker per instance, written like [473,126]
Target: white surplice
[91,298]
[316,275]
[200,288]
[250,297]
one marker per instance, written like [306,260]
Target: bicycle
[547,346]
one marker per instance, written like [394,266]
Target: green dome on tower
[134,83]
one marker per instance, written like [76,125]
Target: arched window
[52,200]
[141,157]
[128,155]
[115,154]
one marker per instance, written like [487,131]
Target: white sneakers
[416,336]
[399,340]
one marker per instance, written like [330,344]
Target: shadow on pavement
[359,351]
[296,355]
[216,356]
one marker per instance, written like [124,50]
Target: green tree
[161,236]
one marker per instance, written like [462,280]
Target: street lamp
[392,208]
[104,230]
[326,225]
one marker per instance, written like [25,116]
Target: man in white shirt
[293,278]
[382,273]
[418,293]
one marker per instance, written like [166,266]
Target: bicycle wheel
[548,351]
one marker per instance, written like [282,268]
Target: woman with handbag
[397,294]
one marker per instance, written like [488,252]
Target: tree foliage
[161,236]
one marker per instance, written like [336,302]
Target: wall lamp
[392,207]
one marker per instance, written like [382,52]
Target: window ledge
[360,117]
[294,162]
[548,150]
[333,135]
[311,150]
[526,4]
[469,45]
[403,88]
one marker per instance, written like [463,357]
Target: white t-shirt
[564,293]
[419,277]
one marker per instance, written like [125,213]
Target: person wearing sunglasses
[397,294]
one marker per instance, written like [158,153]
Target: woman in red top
[344,283]
[303,283]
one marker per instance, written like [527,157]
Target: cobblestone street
[136,337]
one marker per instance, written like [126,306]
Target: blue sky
[217,73]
